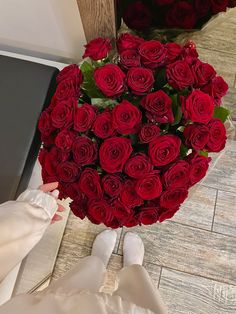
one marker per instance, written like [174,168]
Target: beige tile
[185,294]
[198,209]
[229,101]
[225,215]
[222,173]
[191,250]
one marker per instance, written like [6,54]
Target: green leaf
[183,150]
[176,107]
[203,153]
[221,113]
[103,102]
[160,79]
[89,85]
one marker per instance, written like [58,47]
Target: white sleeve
[22,225]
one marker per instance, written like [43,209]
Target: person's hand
[51,188]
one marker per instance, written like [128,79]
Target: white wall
[50,29]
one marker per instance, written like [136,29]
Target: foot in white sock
[104,245]
[133,249]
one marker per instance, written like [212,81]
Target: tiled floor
[192,258]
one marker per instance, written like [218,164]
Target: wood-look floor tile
[198,209]
[188,294]
[229,101]
[222,172]
[191,250]
[223,63]
[225,214]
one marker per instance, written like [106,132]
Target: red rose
[164,214]
[110,80]
[97,49]
[217,138]
[79,206]
[232,3]
[181,15]
[72,71]
[177,175]
[137,15]
[130,58]
[140,80]
[126,117]
[153,53]
[132,221]
[89,184]
[138,166]
[66,89]
[112,185]
[203,73]
[179,75]
[149,187]
[84,151]
[148,215]
[114,152]
[164,149]
[173,52]
[190,51]
[198,167]
[67,171]
[149,132]
[163,2]
[172,198]
[62,113]
[84,118]
[99,211]
[70,190]
[65,139]
[217,88]
[128,41]
[202,7]
[49,161]
[45,124]
[102,126]
[218,6]
[120,211]
[198,107]
[159,107]
[196,136]
[128,196]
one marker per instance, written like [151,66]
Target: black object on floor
[26,89]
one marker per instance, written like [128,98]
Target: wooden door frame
[98,18]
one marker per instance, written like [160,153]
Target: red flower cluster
[127,140]
[185,14]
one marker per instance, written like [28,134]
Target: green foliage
[221,113]
[183,151]
[203,153]
[176,107]
[89,85]
[160,79]
[103,102]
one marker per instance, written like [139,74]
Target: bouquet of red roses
[143,15]
[128,133]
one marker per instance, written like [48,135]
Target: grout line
[198,228]
[214,213]
[190,274]
[158,284]
[207,186]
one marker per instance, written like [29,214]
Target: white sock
[133,249]
[104,245]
